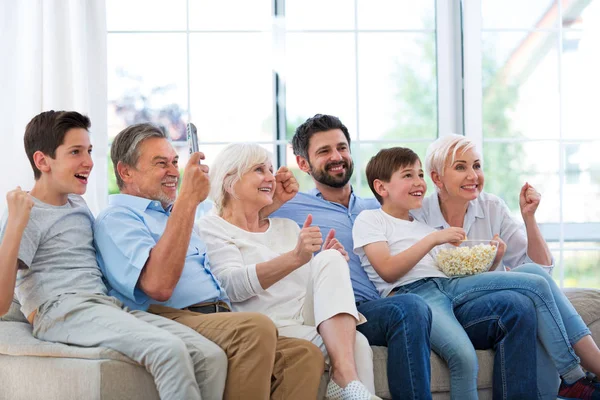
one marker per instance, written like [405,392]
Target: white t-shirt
[373,226]
[233,254]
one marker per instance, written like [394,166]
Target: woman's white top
[232,256]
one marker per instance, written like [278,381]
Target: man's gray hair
[125,147]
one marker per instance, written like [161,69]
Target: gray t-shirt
[57,254]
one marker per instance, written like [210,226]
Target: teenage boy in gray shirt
[49,262]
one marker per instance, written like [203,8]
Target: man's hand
[529,200]
[452,235]
[19,204]
[332,243]
[309,241]
[195,185]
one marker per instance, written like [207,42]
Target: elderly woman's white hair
[230,164]
[443,152]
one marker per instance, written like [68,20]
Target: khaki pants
[261,365]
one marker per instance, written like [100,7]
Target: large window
[516,77]
[539,65]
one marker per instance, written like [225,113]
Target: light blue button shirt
[328,215]
[124,234]
[486,216]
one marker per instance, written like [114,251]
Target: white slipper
[354,391]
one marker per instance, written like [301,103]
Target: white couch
[32,369]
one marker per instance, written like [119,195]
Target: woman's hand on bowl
[499,253]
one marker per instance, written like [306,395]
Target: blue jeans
[576,329]
[574,325]
[402,323]
[504,321]
[551,329]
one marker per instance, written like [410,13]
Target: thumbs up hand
[309,241]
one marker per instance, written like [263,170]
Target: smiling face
[463,178]
[156,174]
[405,190]
[329,160]
[256,187]
[69,171]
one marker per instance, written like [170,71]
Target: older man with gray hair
[154,260]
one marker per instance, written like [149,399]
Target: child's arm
[391,268]
[19,209]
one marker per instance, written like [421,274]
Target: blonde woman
[456,168]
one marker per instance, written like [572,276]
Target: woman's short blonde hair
[230,164]
[443,150]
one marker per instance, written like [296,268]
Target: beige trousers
[261,365]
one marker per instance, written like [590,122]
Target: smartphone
[192,137]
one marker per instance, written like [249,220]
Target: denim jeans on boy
[402,323]
[503,321]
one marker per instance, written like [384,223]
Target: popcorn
[466,260]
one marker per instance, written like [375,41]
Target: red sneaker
[581,389]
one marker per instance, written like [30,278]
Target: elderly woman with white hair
[267,266]
[456,169]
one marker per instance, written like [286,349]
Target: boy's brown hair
[46,131]
[387,161]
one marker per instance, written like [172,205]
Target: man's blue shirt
[125,233]
[329,215]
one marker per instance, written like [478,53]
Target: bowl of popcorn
[470,257]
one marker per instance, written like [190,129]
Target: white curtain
[52,57]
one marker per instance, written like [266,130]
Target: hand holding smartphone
[192,138]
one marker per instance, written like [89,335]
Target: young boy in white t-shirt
[398,253]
